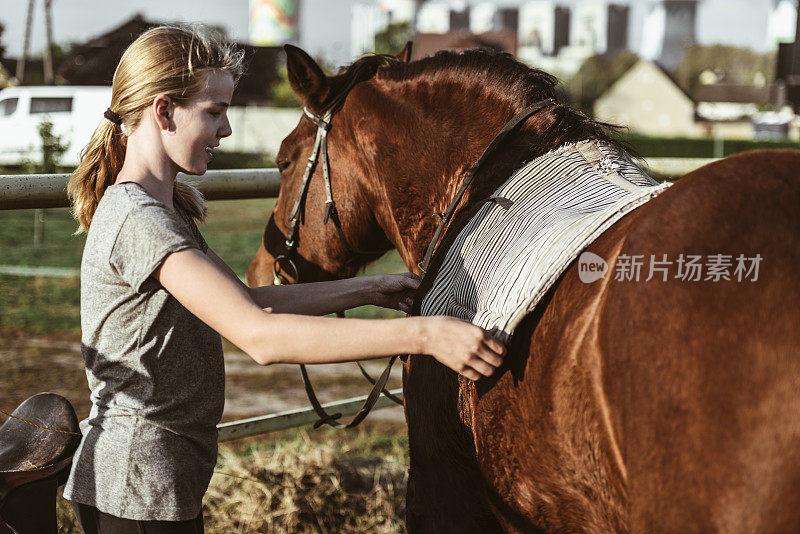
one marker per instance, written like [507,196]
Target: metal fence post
[38,227]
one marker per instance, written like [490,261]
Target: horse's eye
[282,164]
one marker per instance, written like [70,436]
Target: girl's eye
[215,113]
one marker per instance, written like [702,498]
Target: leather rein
[320,154]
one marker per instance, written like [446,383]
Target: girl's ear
[162,109]
[305,76]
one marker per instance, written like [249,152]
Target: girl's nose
[225,129]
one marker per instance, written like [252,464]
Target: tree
[393,38]
[52,147]
[730,63]
[2,48]
[595,76]
[281,93]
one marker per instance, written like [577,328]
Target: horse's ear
[405,54]
[305,76]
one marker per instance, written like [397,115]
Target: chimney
[561,29]
[507,19]
[617,30]
[459,20]
[679,31]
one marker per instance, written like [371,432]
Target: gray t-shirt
[155,370]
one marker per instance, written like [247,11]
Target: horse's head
[317,248]
[399,137]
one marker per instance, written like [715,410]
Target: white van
[75,112]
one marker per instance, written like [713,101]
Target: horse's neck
[415,214]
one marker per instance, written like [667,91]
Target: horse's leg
[706,374]
[445,487]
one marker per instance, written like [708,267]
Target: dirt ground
[33,365]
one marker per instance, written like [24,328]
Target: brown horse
[668,406]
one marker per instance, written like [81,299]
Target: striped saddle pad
[507,257]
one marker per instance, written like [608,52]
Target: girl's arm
[210,294]
[322,298]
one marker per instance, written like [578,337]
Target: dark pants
[93,521]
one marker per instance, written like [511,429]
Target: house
[94,62]
[647,100]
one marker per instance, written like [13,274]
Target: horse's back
[660,405]
[703,375]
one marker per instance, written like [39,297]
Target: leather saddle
[36,448]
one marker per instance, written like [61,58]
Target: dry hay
[305,488]
[336,482]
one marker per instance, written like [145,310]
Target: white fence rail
[292,418]
[26,191]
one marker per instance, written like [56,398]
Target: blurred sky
[78,20]
[324,24]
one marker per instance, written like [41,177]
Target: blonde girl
[155,298]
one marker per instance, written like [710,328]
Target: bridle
[320,154]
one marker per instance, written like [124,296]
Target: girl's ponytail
[101,161]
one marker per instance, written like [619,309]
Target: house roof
[672,78]
[643,63]
[94,62]
[737,93]
[427,44]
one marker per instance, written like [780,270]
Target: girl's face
[200,124]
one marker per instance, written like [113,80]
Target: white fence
[26,191]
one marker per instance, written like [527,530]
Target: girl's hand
[463,347]
[395,291]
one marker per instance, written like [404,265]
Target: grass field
[39,305]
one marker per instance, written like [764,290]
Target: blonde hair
[168,60]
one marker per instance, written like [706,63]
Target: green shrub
[679,147]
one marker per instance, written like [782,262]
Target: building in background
[94,61]
[559,35]
[648,101]
[556,35]
[680,26]
[427,44]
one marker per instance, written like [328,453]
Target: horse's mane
[508,81]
